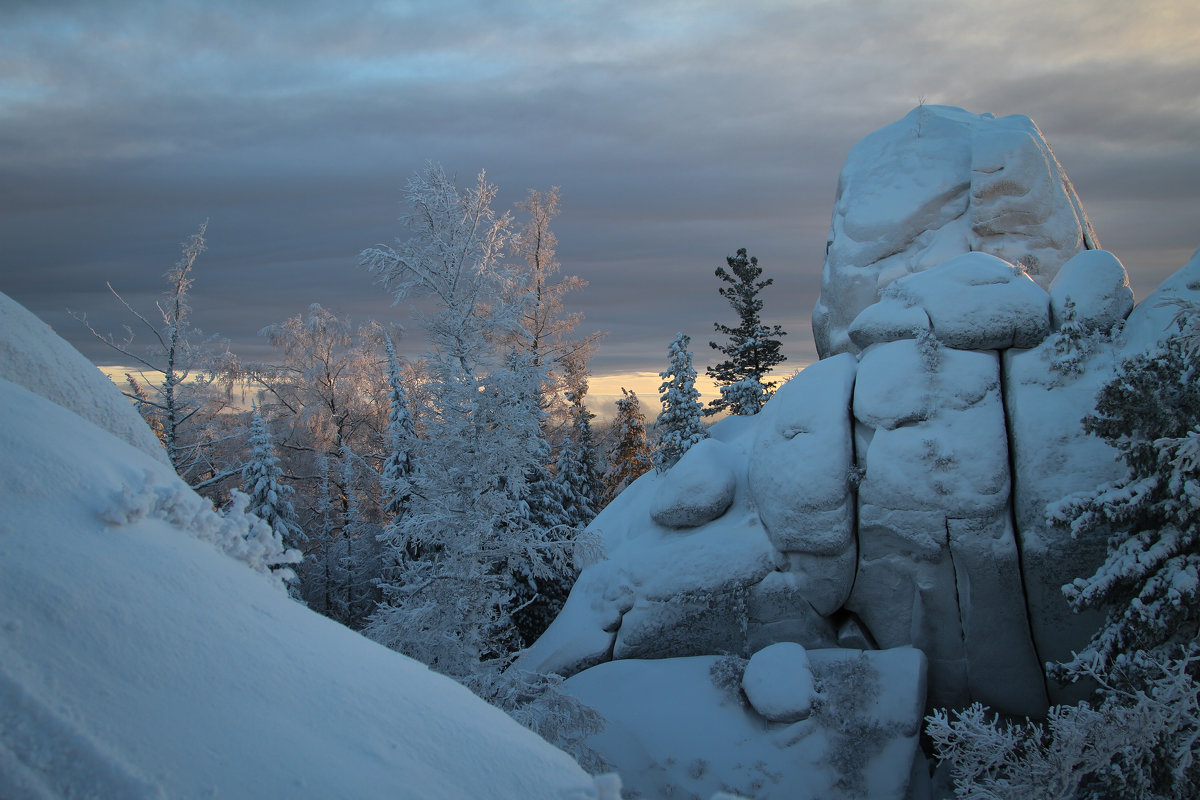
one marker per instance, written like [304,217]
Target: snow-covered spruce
[269,498]
[753,348]
[631,456]
[679,423]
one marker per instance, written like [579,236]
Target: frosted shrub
[726,673]
[844,691]
[537,701]
[235,531]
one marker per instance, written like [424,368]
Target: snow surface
[936,184]
[34,356]
[138,661]
[681,727]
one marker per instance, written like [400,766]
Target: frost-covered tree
[178,381]
[752,349]
[398,466]
[678,423]
[469,534]
[631,455]
[1129,743]
[580,486]
[1149,584]
[270,498]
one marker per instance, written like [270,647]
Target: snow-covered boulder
[977,302]
[1151,321]
[139,661]
[778,682]
[697,489]
[938,560]
[888,320]
[681,727]
[939,183]
[807,506]
[658,593]
[1092,291]
[34,356]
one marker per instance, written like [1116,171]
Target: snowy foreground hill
[139,661]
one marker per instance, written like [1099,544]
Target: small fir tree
[398,466]
[631,456]
[679,422]
[753,348]
[579,483]
[270,499]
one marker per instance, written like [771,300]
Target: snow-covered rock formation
[893,495]
[939,183]
[139,661]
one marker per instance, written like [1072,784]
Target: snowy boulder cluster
[137,660]
[892,497]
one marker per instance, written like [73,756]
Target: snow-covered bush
[236,531]
[1134,743]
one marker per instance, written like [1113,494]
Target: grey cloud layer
[677,132]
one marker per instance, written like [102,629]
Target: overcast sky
[677,131]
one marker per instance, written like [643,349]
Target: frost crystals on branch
[679,422]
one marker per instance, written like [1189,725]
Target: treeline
[439,502]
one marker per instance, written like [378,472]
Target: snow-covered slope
[137,661]
[34,356]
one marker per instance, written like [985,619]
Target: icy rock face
[697,489]
[34,356]
[938,562]
[939,183]
[893,494]
[1151,322]
[778,682]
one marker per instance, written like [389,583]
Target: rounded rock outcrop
[697,489]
